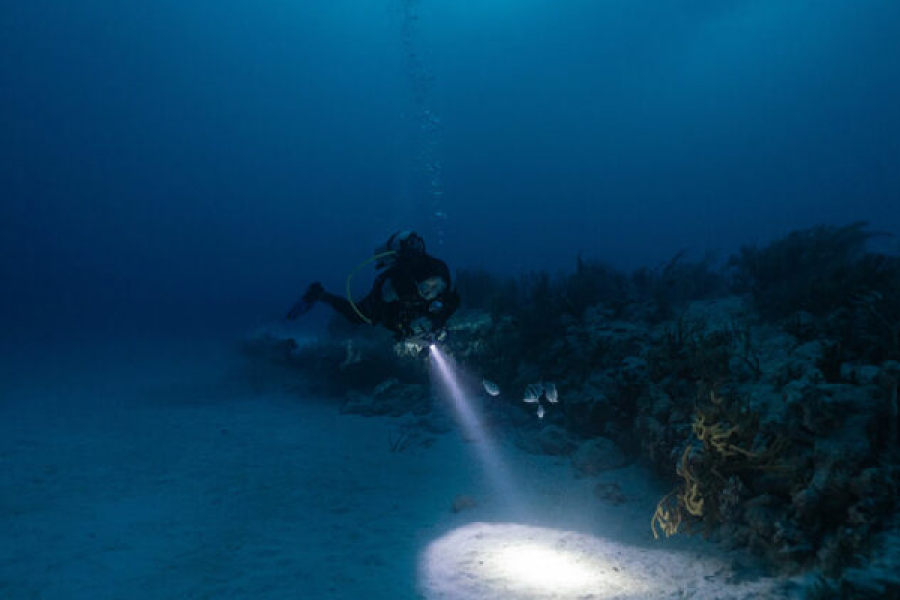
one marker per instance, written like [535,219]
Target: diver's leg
[342,306]
[305,304]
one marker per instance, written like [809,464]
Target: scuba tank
[401,243]
[404,244]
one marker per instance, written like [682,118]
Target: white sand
[172,488]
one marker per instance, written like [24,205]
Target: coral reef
[766,393]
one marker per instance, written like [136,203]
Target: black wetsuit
[399,314]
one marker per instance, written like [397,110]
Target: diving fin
[299,309]
[305,304]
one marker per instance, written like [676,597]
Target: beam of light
[499,561]
[468,418]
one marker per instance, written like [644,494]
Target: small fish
[540,412]
[490,387]
[551,393]
[530,396]
[535,390]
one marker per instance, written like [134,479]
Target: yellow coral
[668,519]
[717,437]
[691,498]
[693,501]
[668,515]
[721,453]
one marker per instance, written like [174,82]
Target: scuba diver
[412,297]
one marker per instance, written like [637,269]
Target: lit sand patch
[485,561]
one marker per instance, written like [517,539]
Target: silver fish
[490,387]
[551,393]
[534,389]
[540,412]
[530,396]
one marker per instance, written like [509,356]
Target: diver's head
[432,287]
[405,244]
[411,244]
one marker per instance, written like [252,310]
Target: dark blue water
[191,166]
[174,173]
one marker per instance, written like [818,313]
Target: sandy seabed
[167,484]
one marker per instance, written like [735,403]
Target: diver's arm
[449,304]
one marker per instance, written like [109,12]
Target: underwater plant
[816,270]
[872,327]
[482,290]
[404,438]
[592,283]
[690,350]
[671,286]
[718,451]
